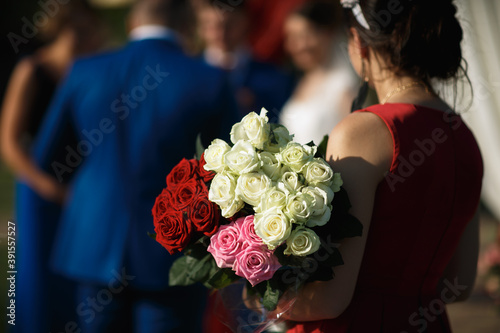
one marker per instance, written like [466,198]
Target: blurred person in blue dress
[44,300]
[136,112]
[223,27]
[323,96]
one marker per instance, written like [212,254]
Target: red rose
[204,174]
[173,231]
[162,203]
[185,193]
[204,215]
[182,172]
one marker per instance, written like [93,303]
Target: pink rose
[256,264]
[248,236]
[224,245]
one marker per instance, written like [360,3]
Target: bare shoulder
[17,101]
[360,125]
[362,135]
[24,70]
[27,64]
[22,83]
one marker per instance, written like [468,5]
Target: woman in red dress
[413,172]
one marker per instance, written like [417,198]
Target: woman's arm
[461,269]
[360,148]
[16,108]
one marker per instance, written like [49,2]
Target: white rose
[279,138]
[299,207]
[329,192]
[318,172]
[273,198]
[252,186]
[223,193]
[252,128]
[321,209]
[273,227]
[290,182]
[242,158]
[295,155]
[214,155]
[337,182]
[270,165]
[302,242]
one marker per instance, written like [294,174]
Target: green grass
[6,214]
[6,194]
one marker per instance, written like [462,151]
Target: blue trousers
[44,300]
[178,309]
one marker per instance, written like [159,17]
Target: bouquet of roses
[264,209]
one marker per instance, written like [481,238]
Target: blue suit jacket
[270,87]
[136,112]
[258,84]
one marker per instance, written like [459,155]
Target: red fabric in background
[266,20]
[212,320]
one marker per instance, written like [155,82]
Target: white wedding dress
[315,116]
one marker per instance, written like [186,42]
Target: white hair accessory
[356,10]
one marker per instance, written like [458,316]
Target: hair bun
[435,38]
[423,38]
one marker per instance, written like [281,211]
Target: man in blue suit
[223,27]
[136,112]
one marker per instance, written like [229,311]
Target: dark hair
[421,38]
[176,14]
[65,16]
[323,14]
[223,6]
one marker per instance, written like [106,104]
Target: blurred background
[273,38]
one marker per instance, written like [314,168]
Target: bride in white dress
[325,92]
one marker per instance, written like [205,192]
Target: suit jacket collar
[153,32]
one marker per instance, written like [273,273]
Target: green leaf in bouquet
[322,273]
[246,210]
[271,297]
[199,147]
[331,256]
[202,268]
[348,226]
[310,144]
[342,224]
[152,235]
[341,201]
[321,152]
[222,278]
[197,249]
[188,270]
[286,278]
[214,269]
[272,137]
[274,289]
[287,260]
[179,272]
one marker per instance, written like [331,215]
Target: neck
[147,31]
[59,54]
[399,89]
[392,88]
